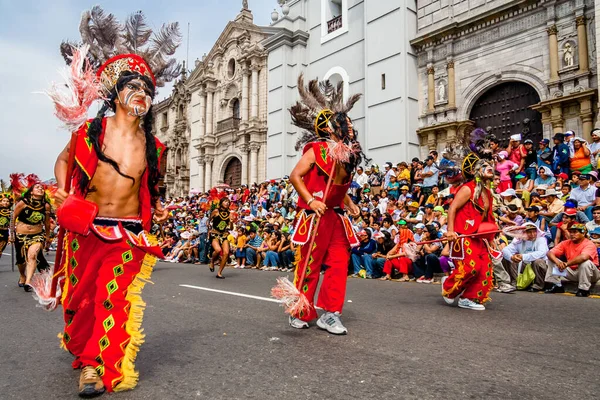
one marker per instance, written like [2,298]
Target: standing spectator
[543,149]
[361,178]
[594,147]
[505,167]
[388,174]
[430,176]
[516,152]
[575,260]
[580,158]
[414,166]
[393,188]
[560,155]
[240,252]
[375,180]
[202,237]
[569,135]
[403,173]
[530,159]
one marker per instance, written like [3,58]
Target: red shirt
[570,250]
[516,154]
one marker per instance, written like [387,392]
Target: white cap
[509,192]
[516,137]
[420,226]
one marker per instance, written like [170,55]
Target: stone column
[430,89]
[202,113]
[585,113]
[553,49]
[582,44]
[208,172]
[254,147]
[245,94]
[200,173]
[244,151]
[254,94]
[556,119]
[450,135]
[432,141]
[209,112]
[451,85]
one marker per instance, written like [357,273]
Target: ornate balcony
[228,124]
[334,24]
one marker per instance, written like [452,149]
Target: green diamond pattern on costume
[104,343]
[73,262]
[305,288]
[118,270]
[107,305]
[100,370]
[127,256]
[480,293]
[73,279]
[308,271]
[66,337]
[99,360]
[108,323]
[488,274]
[485,282]
[112,286]
[74,245]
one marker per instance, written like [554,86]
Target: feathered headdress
[465,152]
[214,198]
[322,111]
[21,186]
[132,46]
[5,192]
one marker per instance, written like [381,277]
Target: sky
[31,137]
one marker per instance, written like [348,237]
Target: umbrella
[222,186]
[194,192]
[173,207]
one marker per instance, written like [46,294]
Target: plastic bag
[525,277]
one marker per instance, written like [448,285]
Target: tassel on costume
[294,302]
[41,284]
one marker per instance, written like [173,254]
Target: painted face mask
[136,97]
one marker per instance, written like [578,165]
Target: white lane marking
[8,254]
[249,296]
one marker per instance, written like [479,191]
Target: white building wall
[374,40]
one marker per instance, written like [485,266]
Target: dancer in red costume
[107,262]
[472,279]
[330,155]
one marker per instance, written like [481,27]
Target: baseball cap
[562,175]
[429,205]
[404,187]
[528,141]
[388,164]
[402,222]
[571,212]
[578,227]
[533,208]
[585,176]
[569,133]
[520,176]
[595,231]
[512,208]
[438,208]
[413,204]
[509,192]
[545,141]
[420,225]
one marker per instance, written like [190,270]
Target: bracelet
[310,201]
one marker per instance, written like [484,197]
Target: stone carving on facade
[441,91]
[568,56]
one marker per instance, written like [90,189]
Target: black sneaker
[555,289]
[582,293]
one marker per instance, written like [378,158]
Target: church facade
[507,66]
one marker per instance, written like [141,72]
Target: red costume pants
[473,275]
[332,248]
[103,308]
[402,264]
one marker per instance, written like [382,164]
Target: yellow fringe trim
[134,323]
[62,342]
[458,278]
[297,257]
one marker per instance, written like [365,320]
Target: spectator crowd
[552,191]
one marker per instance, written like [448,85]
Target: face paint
[136,97]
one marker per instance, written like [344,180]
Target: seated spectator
[509,196]
[545,177]
[531,250]
[271,260]
[417,194]
[562,231]
[574,260]
[595,237]
[585,194]
[553,204]
[428,216]
[595,222]
[418,234]
[524,187]
[511,217]
[404,235]
[440,215]
[429,262]
[397,260]
[366,248]
[286,251]
[375,263]
[403,194]
[504,282]
[414,215]
[388,226]
[253,246]
[532,214]
[433,197]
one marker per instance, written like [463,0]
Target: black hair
[340,120]
[95,130]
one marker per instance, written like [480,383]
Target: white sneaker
[506,288]
[331,323]
[448,300]
[470,304]
[298,323]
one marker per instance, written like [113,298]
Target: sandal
[220,276]
[27,287]
[385,278]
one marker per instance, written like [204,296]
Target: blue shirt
[203,225]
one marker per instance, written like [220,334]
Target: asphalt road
[403,343]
